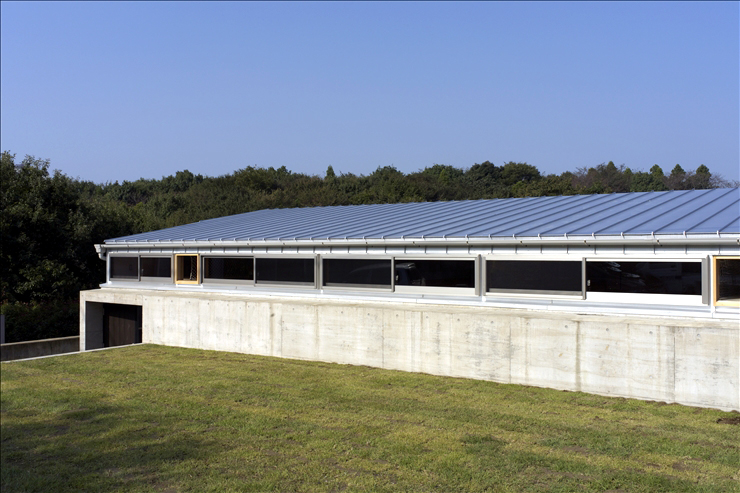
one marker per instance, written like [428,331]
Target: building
[634,294]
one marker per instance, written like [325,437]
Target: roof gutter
[632,240]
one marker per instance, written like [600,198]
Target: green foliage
[330,175]
[656,171]
[50,222]
[678,171]
[513,173]
[40,320]
[49,226]
[646,182]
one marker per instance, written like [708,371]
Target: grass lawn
[153,418]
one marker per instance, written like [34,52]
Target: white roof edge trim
[697,238]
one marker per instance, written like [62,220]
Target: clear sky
[121,90]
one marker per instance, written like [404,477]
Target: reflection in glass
[442,273]
[644,277]
[357,272]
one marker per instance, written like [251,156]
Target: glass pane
[241,269]
[156,267]
[371,272]
[444,273]
[535,275]
[124,267]
[187,267]
[728,278]
[644,277]
[298,270]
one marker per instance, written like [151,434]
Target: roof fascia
[725,239]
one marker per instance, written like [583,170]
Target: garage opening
[121,324]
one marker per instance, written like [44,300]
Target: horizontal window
[285,270]
[357,272]
[124,268]
[551,276]
[441,273]
[727,273]
[228,268]
[644,277]
[156,267]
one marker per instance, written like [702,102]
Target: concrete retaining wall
[41,347]
[688,361]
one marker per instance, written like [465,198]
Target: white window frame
[228,282]
[533,293]
[121,279]
[648,298]
[287,284]
[160,280]
[437,290]
[375,288]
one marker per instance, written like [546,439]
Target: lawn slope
[161,419]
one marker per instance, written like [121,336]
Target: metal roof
[681,212]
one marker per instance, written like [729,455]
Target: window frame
[715,282]
[356,287]
[229,282]
[123,279]
[438,290]
[168,280]
[177,268]
[648,298]
[533,293]
[302,285]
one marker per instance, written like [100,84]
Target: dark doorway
[121,324]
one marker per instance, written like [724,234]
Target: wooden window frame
[178,269]
[715,282]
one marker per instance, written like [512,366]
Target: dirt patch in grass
[578,450]
[682,466]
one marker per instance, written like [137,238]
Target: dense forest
[50,221]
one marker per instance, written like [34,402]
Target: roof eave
[644,239]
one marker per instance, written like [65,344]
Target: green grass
[153,418]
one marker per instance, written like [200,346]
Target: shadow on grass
[93,449]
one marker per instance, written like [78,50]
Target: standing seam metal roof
[679,212]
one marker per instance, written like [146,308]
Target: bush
[41,320]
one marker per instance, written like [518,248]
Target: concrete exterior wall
[42,347]
[689,361]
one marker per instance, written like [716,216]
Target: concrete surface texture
[689,361]
[41,347]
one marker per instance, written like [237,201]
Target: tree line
[51,222]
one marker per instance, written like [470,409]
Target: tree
[676,180]
[484,180]
[40,221]
[657,171]
[646,182]
[678,171]
[512,173]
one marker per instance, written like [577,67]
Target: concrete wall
[689,361]
[41,347]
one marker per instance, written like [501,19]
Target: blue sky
[122,90]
